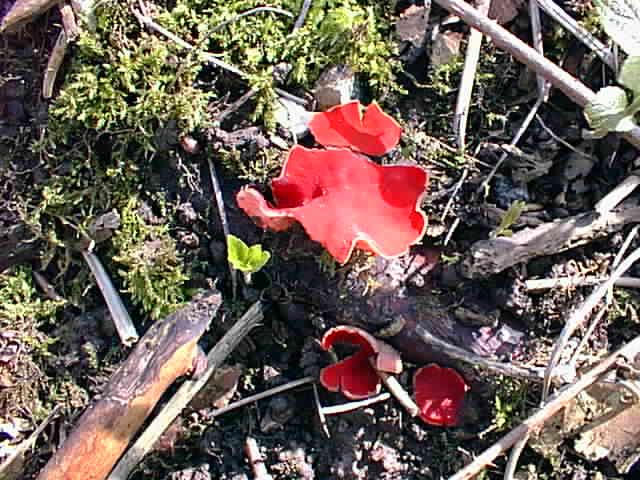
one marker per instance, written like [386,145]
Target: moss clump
[23,312]
[151,269]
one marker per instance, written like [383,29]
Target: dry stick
[252,11]
[553,135]
[471,59]
[523,128]
[622,191]
[121,319]
[540,285]
[536,34]
[6,468]
[580,316]
[53,65]
[222,213]
[555,404]
[235,105]
[508,369]
[259,396]
[186,392]
[306,5]
[572,87]
[559,15]
[351,406]
[255,460]
[48,289]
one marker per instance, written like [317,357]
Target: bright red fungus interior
[374,132]
[353,376]
[439,393]
[344,200]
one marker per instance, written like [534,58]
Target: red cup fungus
[355,376]
[439,393]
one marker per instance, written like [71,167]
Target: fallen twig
[262,395]
[186,392]
[559,15]
[543,284]
[578,317]
[471,59]
[398,391]
[511,370]
[119,314]
[306,5]
[255,460]
[222,214]
[540,416]
[48,289]
[53,65]
[168,350]
[251,11]
[572,87]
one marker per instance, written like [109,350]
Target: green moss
[150,266]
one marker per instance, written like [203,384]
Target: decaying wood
[186,392]
[166,352]
[488,257]
[22,11]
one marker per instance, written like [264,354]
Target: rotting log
[488,257]
[167,351]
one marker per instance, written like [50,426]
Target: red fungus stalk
[355,376]
[344,200]
[439,393]
[374,133]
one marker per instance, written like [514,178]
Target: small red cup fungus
[439,393]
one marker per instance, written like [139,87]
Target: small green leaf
[630,74]
[510,217]
[607,112]
[621,21]
[244,258]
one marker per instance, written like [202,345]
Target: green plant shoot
[510,217]
[245,258]
[611,109]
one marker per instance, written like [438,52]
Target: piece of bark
[487,257]
[167,351]
[16,13]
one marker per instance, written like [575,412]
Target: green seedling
[247,259]
[612,110]
[510,217]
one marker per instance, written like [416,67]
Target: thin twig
[186,392]
[6,468]
[523,128]
[508,369]
[456,189]
[48,289]
[255,460]
[251,11]
[618,194]
[262,395]
[306,5]
[235,105]
[53,65]
[543,284]
[119,314]
[471,60]
[222,213]
[538,45]
[578,317]
[351,406]
[558,401]
[561,141]
[572,87]
[569,23]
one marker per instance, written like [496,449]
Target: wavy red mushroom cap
[439,393]
[344,200]
[374,133]
[355,376]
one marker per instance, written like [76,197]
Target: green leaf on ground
[245,258]
[608,112]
